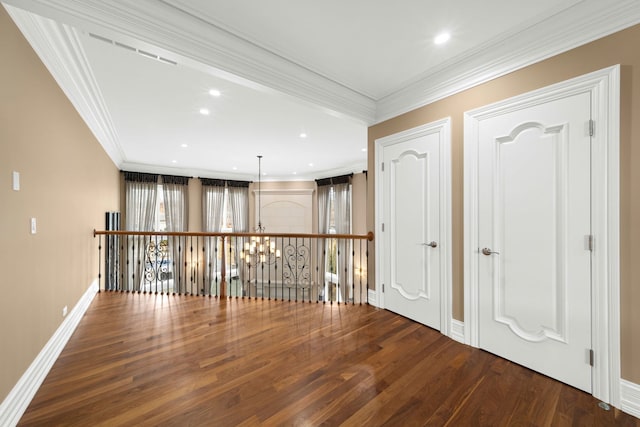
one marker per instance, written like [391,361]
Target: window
[159,219]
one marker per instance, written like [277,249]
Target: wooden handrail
[369,236]
[186,240]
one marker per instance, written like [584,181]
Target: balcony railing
[296,267]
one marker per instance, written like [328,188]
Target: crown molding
[60,50]
[587,21]
[309,176]
[190,39]
[173,30]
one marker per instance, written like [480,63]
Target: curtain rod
[341,179]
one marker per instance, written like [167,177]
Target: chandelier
[260,249]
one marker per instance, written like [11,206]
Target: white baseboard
[372,296]
[18,399]
[457,330]
[630,398]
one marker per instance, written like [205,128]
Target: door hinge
[383,287]
[382,166]
[591,357]
[592,127]
[589,241]
[383,227]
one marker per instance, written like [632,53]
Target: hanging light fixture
[260,249]
[259,228]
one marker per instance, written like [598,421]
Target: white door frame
[443,129]
[604,85]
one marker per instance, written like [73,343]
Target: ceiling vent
[133,49]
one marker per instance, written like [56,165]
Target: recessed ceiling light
[174,161]
[235,168]
[303,135]
[311,164]
[364,150]
[442,38]
[183,145]
[295,173]
[214,92]
[264,174]
[204,111]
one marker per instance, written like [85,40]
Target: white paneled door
[414,238]
[534,258]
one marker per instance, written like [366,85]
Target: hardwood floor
[193,361]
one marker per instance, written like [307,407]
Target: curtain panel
[239,204]
[334,194]
[212,210]
[324,222]
[342,219]
[175,191]
[140,208]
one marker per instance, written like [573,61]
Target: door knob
[433,244]
[487,251]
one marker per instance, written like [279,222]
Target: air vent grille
[133,49]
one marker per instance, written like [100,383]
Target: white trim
[605,89]
[372,296]
[443,128]
[18,399]
[457,331]
[630,398]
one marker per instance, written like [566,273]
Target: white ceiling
[328,69]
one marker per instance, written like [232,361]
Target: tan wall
[359,203]
[195,205]
[67,183]
[620,48]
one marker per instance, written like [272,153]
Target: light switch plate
[33,226]
[16,181]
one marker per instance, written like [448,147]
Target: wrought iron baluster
[123,252]
[206,287]
[353,272]
[360,271]
[367,295]
[100,263]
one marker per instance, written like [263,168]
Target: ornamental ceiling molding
[183,37]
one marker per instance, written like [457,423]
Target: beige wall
[620,48]
[67,184]
[195,205]
[359,204]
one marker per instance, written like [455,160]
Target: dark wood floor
[193,361]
